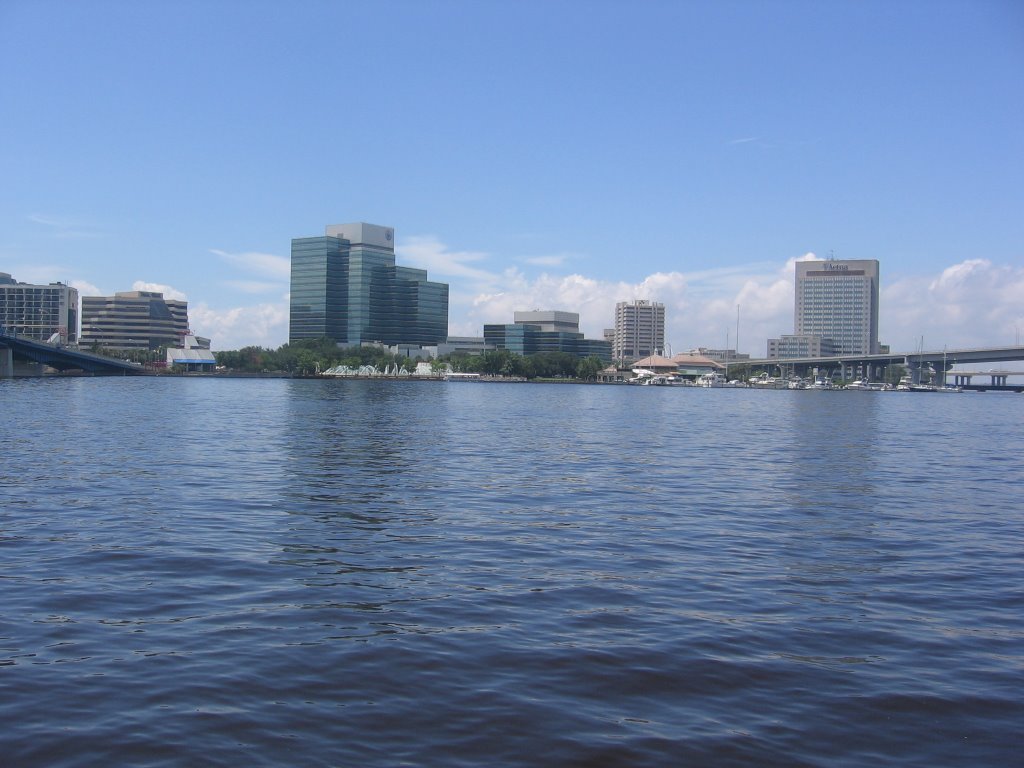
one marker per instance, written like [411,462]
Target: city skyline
[528,163]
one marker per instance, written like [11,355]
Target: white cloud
[264,264]
[166,290]
[85,289]
[700,307]
[65,227]
[261,325]
[973,303]
[427,252]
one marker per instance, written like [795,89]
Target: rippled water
[353,573]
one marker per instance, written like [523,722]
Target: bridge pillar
[6,363]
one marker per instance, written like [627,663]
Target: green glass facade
[354,293]
[527,339]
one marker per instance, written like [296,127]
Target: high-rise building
[838,301]
[38,312]
[345,286]
[133,320]
[639,329]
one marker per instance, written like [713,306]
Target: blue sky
[551,155]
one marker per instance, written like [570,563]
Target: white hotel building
[639,330]
[835,310]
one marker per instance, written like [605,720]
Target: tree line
[312,356]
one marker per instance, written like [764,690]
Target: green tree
[589,367]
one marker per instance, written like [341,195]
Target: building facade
[639,329]
[547,331]
[549,320]
[38,312]
[800,345]
[133,320]
[838,300]
[721,355]
[346,286]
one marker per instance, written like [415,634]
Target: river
[227,572]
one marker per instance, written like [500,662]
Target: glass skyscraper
[346,286]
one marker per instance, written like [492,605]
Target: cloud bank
[973,303]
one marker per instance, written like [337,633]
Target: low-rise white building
[194,354]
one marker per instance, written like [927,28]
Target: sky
[532,154]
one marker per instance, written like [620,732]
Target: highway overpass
[871,365]
[14,348]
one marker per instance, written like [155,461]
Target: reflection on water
[372,573]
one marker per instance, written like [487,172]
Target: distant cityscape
[346,286]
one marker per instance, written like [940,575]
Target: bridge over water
[917,363]
[14,348]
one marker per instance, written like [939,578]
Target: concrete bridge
[15,348]
[998,380]
[917,363]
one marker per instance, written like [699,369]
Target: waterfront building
[694,366]
[657,364]
[192,354]
[800,345]
[547,331]
[133,320]
[38,312]
[346,286]
[639,329]
[838,300]
[469,345]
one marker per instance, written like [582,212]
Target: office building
[467,345]
[345,286]
[639,329]
[721,355]
[39,312]
[549,320]
[133,320]
[800,345]
[838,301]
[547,331]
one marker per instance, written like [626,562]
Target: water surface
[357,573]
